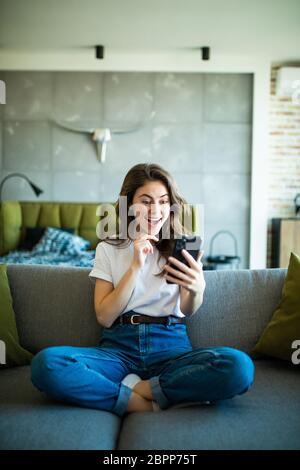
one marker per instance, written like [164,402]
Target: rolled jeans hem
[157,393]
[122,401]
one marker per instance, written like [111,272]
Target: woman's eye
[148,202]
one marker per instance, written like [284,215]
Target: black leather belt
[137,318]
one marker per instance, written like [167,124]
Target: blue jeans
[91,376]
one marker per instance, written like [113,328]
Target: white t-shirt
[152,295]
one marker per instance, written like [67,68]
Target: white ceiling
[268,28]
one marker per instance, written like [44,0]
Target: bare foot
[143,389]
[138,403]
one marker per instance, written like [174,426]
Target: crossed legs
[91,377]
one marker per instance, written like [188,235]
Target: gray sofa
[54,306]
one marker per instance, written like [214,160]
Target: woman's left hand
[190,277]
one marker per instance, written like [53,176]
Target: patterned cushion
[59,241]
[33,236]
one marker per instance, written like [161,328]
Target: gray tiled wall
[201,133]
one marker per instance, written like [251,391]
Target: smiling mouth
[154,221]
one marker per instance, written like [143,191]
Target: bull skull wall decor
[101,135]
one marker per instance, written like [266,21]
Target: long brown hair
[136,177]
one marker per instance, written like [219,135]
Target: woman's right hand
[142,247]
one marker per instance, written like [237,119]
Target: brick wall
[284,156]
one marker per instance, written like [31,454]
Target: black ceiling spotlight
[99,52]
[205,53]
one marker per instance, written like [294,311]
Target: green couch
[15,216]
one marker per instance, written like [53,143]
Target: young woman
[144,360]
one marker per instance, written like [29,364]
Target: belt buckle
[131,320]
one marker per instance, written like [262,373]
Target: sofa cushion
[31,420]
[266,417]
[10,225]
[56,240]
[236,307]
[11,351]
[57,319]
[284,328]
[32,236]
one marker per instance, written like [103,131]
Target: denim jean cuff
[157,393]
[122,401]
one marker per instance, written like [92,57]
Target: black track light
[99,52]
[205,53]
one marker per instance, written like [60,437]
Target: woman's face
[155,201]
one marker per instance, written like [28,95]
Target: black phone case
[183,243]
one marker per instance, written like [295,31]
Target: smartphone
[191,243]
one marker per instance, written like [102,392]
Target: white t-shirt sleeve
[102,264]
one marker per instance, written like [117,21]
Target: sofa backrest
[15,216]
[55,306]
